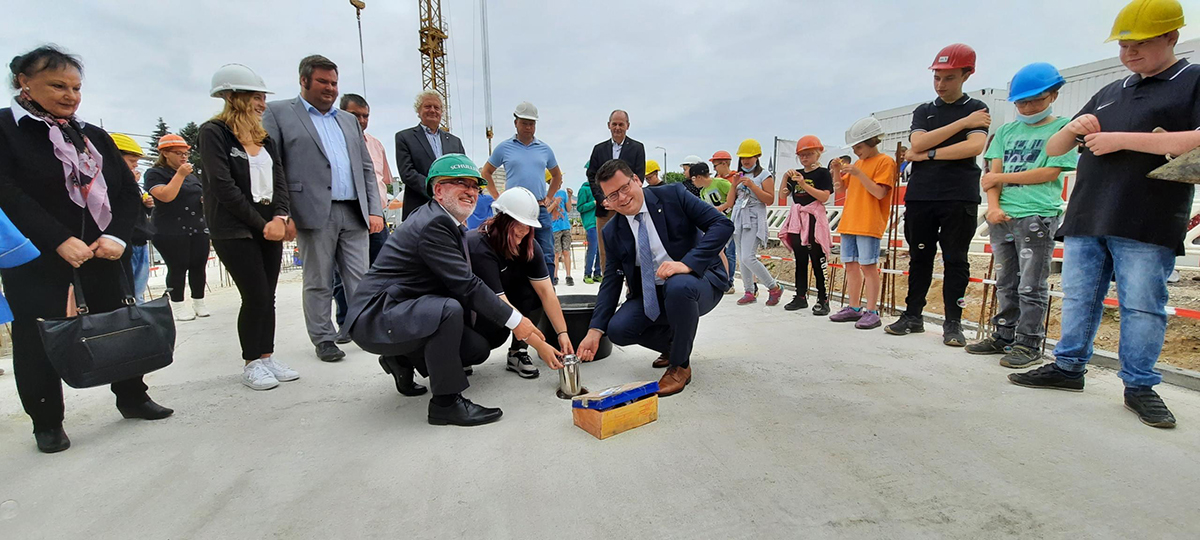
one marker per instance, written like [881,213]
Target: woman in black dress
[64,184]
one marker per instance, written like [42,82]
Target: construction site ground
[792,427]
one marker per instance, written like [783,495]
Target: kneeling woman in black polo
[246,203]
[506,257]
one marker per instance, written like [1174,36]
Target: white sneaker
[199,307]
[1174,277]
[258,377]
[281,372]
[182,311]
[520,363]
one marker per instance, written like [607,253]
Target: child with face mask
[752,189]
[1025,205]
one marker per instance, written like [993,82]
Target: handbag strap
[80,301]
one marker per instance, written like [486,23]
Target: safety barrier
[981,243]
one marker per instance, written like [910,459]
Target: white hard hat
[520,204]
[862,130]
[236,78]
[692,160]
[526,110]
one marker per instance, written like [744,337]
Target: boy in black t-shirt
[942,198]
[1120,222]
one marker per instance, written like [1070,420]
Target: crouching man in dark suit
[667,246]
[418,303]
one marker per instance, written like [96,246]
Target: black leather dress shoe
[328,352]
[149,410]
[342,340]
[403,375]
[52,441]
[462,413]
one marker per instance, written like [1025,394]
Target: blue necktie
[646,260]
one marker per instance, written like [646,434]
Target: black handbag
[94,349]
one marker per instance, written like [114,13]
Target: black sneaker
[1020,356]
[570,281]
[821,309]
[952,335]
[1149,407]
[798,302]
[906,325]
[989,346]
[1048,376]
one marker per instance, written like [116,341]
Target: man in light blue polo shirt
[526,160]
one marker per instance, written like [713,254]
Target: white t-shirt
[262,176]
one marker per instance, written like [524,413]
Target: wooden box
[616,410]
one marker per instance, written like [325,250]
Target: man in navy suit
[668,248]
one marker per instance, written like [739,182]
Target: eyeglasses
[621,191]
[1033,100]
[180,153]
[465,183]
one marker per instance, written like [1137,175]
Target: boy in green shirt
[1025,205]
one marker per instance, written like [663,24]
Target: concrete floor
[794,427]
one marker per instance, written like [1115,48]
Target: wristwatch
[932,153]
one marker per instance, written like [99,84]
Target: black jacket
[632,152]
[413,158]
[228,205]
[33,192]
[419,269]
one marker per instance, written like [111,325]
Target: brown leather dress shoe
[674,380]
[662,361]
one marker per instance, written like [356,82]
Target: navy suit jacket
[692,231]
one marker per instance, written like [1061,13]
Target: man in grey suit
[418,147]
[331,181]
[419,302]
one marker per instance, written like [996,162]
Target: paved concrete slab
[794,427]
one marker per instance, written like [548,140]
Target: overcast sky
[696,76]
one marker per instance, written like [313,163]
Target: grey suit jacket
[422,266]
[413,158]
[306,166]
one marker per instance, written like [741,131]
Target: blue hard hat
[1033,80]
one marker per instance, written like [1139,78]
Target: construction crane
[433,54]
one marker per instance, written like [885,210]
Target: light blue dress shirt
[334,143]
[435,140]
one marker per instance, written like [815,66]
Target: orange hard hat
[721,154]
[809,142]
[955,56]
[172,140]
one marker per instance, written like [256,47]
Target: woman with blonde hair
[246,205]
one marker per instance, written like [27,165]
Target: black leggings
[812,252]
[254,266]
[186,257]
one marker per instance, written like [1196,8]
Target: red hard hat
[809,142]
[721,154]
[955,56]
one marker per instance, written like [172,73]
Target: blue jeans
[545,239]
[731,256]
[1141,270]
[140,262]
[590,268]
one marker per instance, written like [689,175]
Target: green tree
[673,177]
[159,132]
[191,134]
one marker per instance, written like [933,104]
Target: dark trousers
[528,303]
[682,300]
[254,266]
[39,290]
[814,253]
[339,291]
[442,356]
[186,256]
[928,224]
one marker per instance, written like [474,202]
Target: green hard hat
[452,166]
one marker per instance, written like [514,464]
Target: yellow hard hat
[652,167]
[1145,19]
[548,176]
[749,148]
[126,144]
